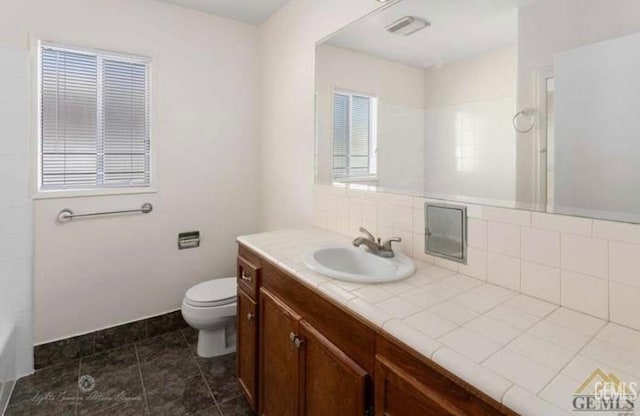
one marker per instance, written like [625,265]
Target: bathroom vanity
[302,353]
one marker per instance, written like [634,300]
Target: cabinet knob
[250,316]
[296,340]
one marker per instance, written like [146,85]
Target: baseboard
[91,343]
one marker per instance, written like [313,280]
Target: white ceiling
[459,28]
[249,11]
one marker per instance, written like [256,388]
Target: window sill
[92,193]
[351,179]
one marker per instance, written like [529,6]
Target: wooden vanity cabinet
[279,358]
[301,371]
[331,383]
[407,383]
[247,326]
[317,358]
[247,347]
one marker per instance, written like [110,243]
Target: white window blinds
[94,120]
[353,133]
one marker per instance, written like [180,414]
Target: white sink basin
[352,264]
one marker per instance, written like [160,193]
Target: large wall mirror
[517,103]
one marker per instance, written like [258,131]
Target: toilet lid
[214,292]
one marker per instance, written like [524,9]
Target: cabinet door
[279,357]
[247,347]
[331,384]
[399,394]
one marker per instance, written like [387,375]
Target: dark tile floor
[160,376]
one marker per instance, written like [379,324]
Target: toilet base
[218,342]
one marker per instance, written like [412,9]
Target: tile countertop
[528,354]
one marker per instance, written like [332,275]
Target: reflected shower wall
[469,139]
[471,150]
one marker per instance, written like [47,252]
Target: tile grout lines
[144,391]
[77,403]
[561,371]
[206,383]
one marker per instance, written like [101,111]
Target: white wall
[101,272]
[15,218]
[399,89]
[287,65]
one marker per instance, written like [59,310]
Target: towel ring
[527,112]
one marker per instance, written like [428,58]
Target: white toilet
[210,307]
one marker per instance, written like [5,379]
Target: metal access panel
[446,231]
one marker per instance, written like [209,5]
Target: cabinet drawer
[248,275]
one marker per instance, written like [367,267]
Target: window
[94,120]
[354,135]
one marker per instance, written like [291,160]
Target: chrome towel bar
[67,214]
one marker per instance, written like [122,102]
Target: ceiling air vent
[407,26]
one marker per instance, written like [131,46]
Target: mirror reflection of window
[354,135]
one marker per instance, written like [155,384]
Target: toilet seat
[216,292]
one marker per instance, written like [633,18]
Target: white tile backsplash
[542,282]
[624,304]
[541,246]
[419,225]
[623,263]
[585,294]
[477,233]
[507,216]
[582,264]
[504,239]
[561,223]
[476,263]
[617,231]
[385,215]
[403,218]
[585,255]
[503,271]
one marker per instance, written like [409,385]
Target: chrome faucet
[374,246]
